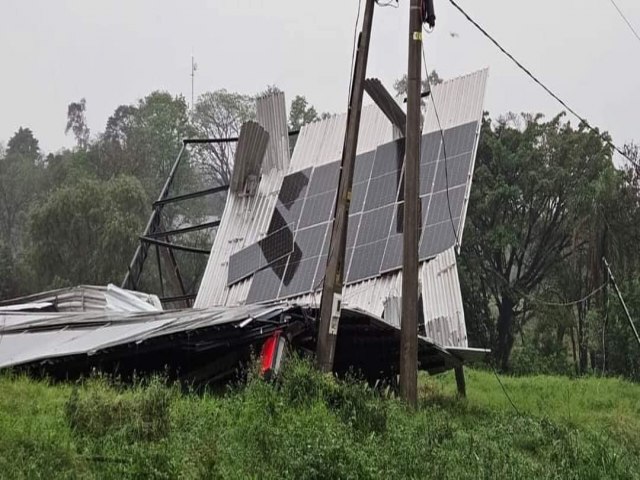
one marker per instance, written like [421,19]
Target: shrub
[100,408]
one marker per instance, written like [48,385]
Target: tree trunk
[505,332]
[583,351]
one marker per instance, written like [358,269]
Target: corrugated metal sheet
[246,219]
[30,337]
[442,301]
[458,101]
[321,142]
[89,298]
[252,145]
[271,111]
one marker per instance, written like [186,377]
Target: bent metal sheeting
[459,105]
[223,312]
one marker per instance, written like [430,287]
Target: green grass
[310,426]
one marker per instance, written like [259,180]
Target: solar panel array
[291,259]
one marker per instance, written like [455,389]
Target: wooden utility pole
[331,302]
[409,323]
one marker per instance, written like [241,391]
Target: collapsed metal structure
[267,260]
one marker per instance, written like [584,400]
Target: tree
[400,85]
[77,123]
[219,114]
[301,113]
[20,177]
[143,140]
[86,232]
[532,183]
[23,144]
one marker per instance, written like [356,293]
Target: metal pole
[193,76]
[330,303]
[624,305]
[135,267]
[409,324]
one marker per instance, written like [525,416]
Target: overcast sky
[113,52]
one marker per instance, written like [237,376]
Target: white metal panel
[321,142]
[442,301]
[246,218]
[458,101]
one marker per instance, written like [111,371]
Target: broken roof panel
[319,146]
[85,298]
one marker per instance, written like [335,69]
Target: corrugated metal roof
[246,219]
[88,298]
[459,101]
[252,145]
[30,337]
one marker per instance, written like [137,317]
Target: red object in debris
[271,354]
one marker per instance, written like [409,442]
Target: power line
[565,304]
[633,30]
[444,147]
[544,87]
[495,372]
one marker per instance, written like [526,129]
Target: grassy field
[310,426]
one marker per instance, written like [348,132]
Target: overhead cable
[544,87]
[624,17]
[444,147]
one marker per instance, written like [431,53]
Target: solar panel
[259,255]
[382,191]
[374,225]
[317,209]
[291,260]
[266,283]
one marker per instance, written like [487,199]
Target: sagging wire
[444,149]
[544,87]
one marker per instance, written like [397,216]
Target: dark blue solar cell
[430,147]
[393,254]
[427,175]
[324,178]
[310,240]
[244,263]
[437,238]
[454,172]
[438,209]
[276,245]
[352,229]
[294,186]
[317,209]
[358,193]
[382,191]
[266,283]
[363,166]
[366,261]
[458,140]
[374,225]
[389,158]
[299,277]
[322,266]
